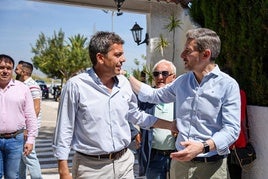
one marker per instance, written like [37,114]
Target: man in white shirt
[24,71]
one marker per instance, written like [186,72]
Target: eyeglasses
[163,73]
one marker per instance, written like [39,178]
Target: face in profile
[190,56]
[18,71]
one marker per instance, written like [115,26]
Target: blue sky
[23,20]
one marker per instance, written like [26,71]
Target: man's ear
[207,53]
[100,58]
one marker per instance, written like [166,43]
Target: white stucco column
[157,19]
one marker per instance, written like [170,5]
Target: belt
[11,135]
[213,158]
[162,152]
[111,156]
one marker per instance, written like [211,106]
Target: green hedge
[243,28]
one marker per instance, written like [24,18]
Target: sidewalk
[49,116]
[47,176]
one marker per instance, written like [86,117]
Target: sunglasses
[163,73]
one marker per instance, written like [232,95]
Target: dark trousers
[159,166]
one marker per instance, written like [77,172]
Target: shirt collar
[27,80]
[216,71]
[11,83]
[95,77]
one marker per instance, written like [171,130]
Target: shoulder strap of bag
[247,134]
[247,126]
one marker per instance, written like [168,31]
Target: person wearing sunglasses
[207,109]
[157,144]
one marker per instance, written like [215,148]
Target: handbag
[243,156]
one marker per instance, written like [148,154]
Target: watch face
[206,147]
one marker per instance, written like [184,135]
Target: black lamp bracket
[146,40]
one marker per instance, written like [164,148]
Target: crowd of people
[184,125]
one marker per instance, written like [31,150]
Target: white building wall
[157,19]
[258,126]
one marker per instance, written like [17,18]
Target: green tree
[147,71]
[243,28]
[60,59]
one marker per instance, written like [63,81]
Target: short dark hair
[21,62]
[6,57]
[28,66]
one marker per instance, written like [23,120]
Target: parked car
[40,81]
[44,88]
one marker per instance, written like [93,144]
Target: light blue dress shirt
[209,110]
[94,121]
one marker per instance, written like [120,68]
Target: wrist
[205,147]
[127,75]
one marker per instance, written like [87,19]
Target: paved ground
[49,115]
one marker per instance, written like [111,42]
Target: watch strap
[206,147]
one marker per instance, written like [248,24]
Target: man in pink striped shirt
[16,114]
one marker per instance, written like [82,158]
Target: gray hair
[205,39]
[173,68]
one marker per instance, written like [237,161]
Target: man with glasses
[207,109]
[17,113]
[157,144]
[24,72]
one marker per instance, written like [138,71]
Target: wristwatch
[206,147]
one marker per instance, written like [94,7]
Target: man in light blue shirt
[93,116]
[207,109]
